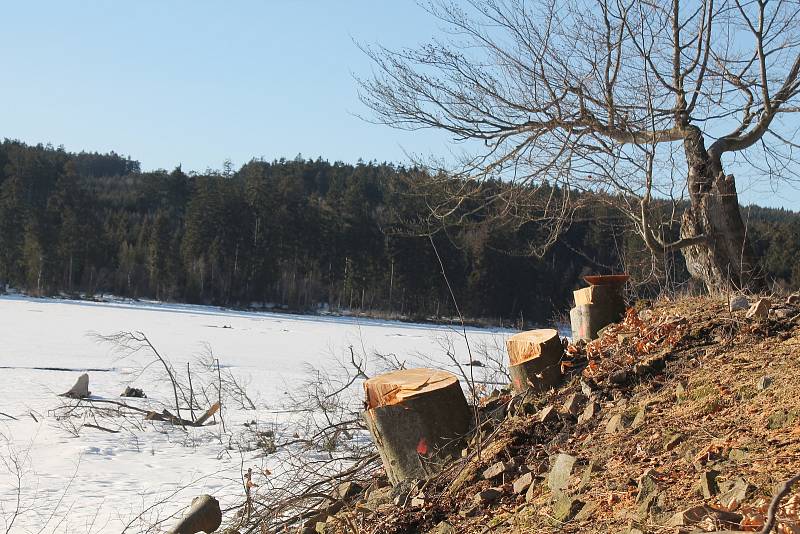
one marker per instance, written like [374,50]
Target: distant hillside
[301,235]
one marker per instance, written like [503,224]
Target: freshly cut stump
[535,359]
[418,419]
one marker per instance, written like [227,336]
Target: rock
[647,494]
[759,310]
[739,302]
[135,393]
[708,484]
[737,455]
[587,389]
[347,490]
[443,528]
[560,473]
[783,313]
[378,497]
[547,414]
[734,492]
[497,469]
[531,494]
[763,383]
[522,484]
[615,424]
[565,508]
[488,495]
[80,390]
[591,410]
[793,299]
[695,514]
[587,510]
[680,389]
[418,501]
[781,419]
[574,404]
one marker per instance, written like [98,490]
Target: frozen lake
[55,478]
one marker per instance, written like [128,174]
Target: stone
[781,419]
[783,313]
[737,455]
[586,511]
[734,492]
[591,410]
[680,389]
[347,490]
[522,484]
[418,501]
[560,472]
[378,497]
[615,424]
[763,383]
[488,495]
[530,495]
[497,469]
[708,484]
[739,302]
[574,404]
[81,388]
[565,508]
[695,514]
[135,393]
[760,309]
[443,528]
[547,414]
[793,299]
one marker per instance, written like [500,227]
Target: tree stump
[596,306]
[535,359]
[203,516]
[80,390]
[418,419]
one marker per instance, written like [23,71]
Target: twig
[9,416]
[776,501]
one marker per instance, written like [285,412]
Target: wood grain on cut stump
[535,359]
[418,419]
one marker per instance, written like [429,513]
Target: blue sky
[197,82]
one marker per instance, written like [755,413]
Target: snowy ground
[97,482]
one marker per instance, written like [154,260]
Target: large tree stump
[418,419]
[80,390]
[535,359]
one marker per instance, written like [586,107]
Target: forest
[310,235]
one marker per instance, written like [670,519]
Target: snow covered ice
[100,482]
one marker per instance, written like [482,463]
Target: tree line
[306,235]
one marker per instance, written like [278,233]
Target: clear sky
[195,82]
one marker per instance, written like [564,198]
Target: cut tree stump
[203,516]
[535,359]
[80,390]
[418,419]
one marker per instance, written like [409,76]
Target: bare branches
[579,96]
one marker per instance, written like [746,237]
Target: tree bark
[418,419]
[726,258]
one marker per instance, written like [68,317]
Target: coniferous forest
[306,235]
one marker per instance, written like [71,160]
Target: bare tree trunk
[726,258]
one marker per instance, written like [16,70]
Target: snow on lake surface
[98,482]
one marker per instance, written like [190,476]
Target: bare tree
[634,101]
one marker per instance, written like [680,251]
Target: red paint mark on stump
[422,447]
